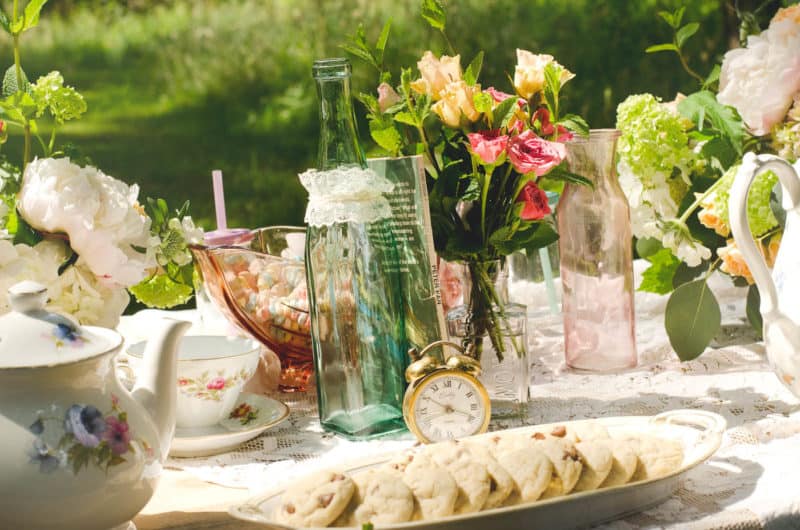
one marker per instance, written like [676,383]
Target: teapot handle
[752,166]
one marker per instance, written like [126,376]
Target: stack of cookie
[444,479]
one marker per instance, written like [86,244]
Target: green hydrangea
[654,140]
[759,212]
[63,102]
[786,140]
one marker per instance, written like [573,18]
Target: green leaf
[648,246]
[667,16]
[483,102]
[561,173]
[25,233]
[666,47]
[386,135]
[161,292]
[406,117]
[658,277]
[753,309]
[720,148]
[10,83]
[775,204]
[713,77]
[703,105]
[685,32]
[433,12]
[472,191]
[575,124]
[503,112]
[677,17]
[358,52]
[32,12]
[380,46]
[692,319]
[5,23]
[474,69]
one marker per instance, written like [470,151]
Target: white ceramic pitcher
[780,293]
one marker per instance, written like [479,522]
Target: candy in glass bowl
[262,289]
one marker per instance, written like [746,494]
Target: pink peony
[531,154]
[536,206]
[488,145]
[218,383]
[117,434]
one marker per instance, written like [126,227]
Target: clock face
[450,406]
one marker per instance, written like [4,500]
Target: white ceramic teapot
[78,450]
[780,293]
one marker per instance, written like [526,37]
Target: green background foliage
[176,88]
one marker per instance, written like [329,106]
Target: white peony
[761,80]
[99,214]
[76,293]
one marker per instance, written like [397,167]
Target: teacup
[212,370]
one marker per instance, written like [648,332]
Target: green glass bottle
[355,301]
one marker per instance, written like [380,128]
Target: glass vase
[595,247]
[493,330]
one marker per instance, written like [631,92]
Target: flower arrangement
[489,156]
[678,160]
[73,228]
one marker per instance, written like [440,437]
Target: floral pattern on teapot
[64,335]
[211,387]
[87,437]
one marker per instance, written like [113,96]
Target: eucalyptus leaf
[753,309]
[684,273]
[692,318]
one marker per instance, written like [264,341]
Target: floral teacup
[212,370]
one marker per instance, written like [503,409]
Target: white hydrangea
[99,214]
[761,80]
[650,204]
[76,293]
[678,239]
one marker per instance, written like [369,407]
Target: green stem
[487,180]
[699,200]
[52,143]
[449,44]
[686,65]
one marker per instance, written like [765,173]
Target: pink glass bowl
[262,290]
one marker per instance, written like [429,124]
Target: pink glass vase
[596,260]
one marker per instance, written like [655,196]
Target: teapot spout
[156,386]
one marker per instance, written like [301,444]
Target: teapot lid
[31,336]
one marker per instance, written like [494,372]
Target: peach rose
[456,102]
[529,72]
[437,74]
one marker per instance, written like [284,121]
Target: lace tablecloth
[751,482]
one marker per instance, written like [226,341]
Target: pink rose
[531,154]
[488,145]
[536,206]
[218,383]
[499,96]
[387,97]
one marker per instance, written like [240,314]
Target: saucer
[252,415]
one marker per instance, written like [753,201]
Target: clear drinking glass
[595,246]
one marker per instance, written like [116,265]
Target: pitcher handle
[753,166]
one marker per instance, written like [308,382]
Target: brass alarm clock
[445,401]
